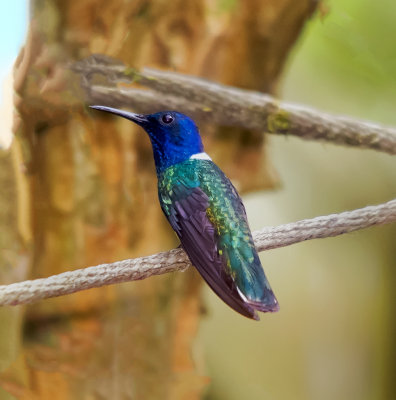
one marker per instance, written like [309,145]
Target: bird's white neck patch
[200,156]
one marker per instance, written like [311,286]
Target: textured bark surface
[13,265]
[88,193]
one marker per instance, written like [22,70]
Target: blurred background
[335,334]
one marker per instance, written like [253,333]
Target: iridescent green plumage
[231,240]
[205,211]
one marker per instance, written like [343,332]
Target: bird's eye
[167,118]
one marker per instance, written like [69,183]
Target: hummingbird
[206,212]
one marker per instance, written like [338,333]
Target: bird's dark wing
[186,209]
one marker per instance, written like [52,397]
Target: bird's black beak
[139,119]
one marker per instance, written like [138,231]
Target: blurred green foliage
[346,60]
[334,337]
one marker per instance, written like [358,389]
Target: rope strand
[177,260]
[225,105]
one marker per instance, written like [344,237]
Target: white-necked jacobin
[206,212]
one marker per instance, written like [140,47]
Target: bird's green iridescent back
[226,214]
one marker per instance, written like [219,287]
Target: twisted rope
[224,105]
[177,260]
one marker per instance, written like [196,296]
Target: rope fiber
[177,260]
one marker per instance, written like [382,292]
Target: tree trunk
[87,188]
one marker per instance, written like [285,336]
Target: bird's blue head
[174,136]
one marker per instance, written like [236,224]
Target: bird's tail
[254,288]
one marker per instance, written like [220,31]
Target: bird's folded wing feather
[187,213]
